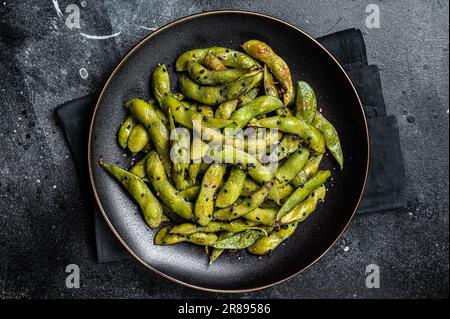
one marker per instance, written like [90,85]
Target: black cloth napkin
[383,192]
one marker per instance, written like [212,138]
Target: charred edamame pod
[214,95]
[229,58]
[201,75]
[150,206]
[165,190]
[269,242]
[302,192]
[330,136]
[231,189]
[158,132]
[204,205]
[138,139]
[293,125]
[305,208]
[263,52]
[125,130]
[246,206]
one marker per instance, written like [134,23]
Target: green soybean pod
[201,75]
[261,105]
[255,169]
[125,130]
[264,53]
[239,241]
[159,134]
[229,58]
[138,139]
[190,193]
[293,125]
[213,227]
[160,83]
[306,102]
[225,109]
[150,206]
[330,136]
[303,191]
[246,206]
[267,243]
[288,145]
[248,97]
[186,116]
[165,190]
[305,208]
[214,95]
[163,237]
[263,216]
[249,187]
[206,110]
[213,63]
[216,251]
[311,167]
[269,86]
[291,167]
[204,205]
[138,169]
[231,189]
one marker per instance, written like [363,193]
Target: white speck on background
[84,73]
[346,248]
[99,37]
[38,181]
[54,186]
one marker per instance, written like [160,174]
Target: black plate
[308,60]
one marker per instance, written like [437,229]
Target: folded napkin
[382,191]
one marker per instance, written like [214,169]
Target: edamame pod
[201,75]
[229,58]
[206,110]
[216,251]
[250,186]
[263,216]
[248,97]
[293,125]
[163,237]
[213,63]
[261,105]
[150,206]
[311,167]
[225,109]
[269,242]
[138,139]
[180,156]
[229,154]
[330,136]
[288,145]
[165,190]
[231,189]
[159,134]
[125,130]
[214,95]
[160,83]
[204,205]
[305,208]
[239,241]
[190,193]
[213,227]
[246,206]
[185,116]
[264,53]
[306,102]
[269,85]
[303,191]
[138,169]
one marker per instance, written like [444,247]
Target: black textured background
[43,225]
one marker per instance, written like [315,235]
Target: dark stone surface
[43,224]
